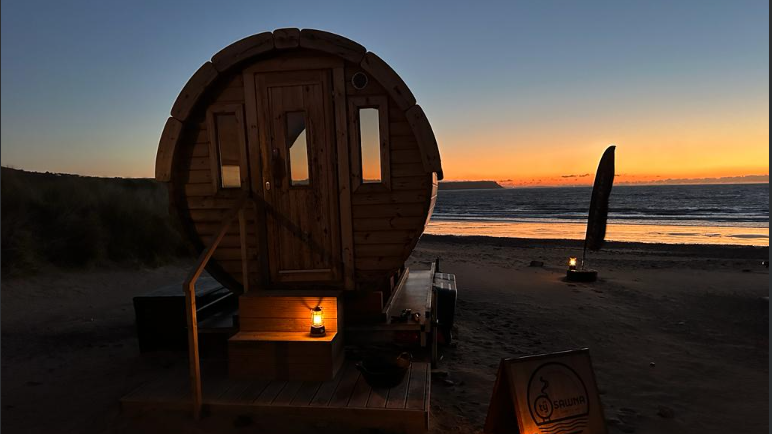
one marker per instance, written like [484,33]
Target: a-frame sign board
[546,394]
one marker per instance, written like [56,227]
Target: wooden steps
[284,356]
[274,341]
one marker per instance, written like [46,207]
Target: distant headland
[469,185]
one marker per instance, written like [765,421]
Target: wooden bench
[413,291]
[274,340]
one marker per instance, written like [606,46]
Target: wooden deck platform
[346,399]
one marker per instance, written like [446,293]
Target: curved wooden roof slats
[286,38]
[192,90]
[389,79]
[253,46]
[243,49]
[430,152]
[333,44]
[166,147]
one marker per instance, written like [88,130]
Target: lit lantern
[572,263]
[317,322]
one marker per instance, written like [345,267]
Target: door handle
[277,168]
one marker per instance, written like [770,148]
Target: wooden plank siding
[385,224]
[201,205]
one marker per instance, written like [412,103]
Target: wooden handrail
[189,287]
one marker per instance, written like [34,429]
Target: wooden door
[299,175]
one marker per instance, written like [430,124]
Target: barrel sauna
[337,161]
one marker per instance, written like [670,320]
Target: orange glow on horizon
[534,154]
[568,157]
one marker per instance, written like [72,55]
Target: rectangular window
[229,150]
[227,145]
[297,143]
[370,145]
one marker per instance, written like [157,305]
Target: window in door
[297,143]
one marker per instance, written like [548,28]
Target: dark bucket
[384,372]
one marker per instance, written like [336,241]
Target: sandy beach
[678,335]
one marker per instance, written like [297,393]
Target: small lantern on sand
[579,274]
[572,263]
[317,322]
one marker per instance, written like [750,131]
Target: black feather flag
[601,190]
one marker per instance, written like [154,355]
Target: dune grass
[72,221]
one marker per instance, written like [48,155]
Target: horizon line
[738,179]
[727,180]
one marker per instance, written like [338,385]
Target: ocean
[681,214]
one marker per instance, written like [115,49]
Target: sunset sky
[530,92]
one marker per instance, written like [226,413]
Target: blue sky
[87,86]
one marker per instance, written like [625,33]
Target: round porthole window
[359,80]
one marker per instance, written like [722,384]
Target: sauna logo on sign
[558,399]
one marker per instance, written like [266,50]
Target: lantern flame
[572,262]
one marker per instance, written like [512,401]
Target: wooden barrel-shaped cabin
[338,163]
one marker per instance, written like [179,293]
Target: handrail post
[193,360]
[189,287]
